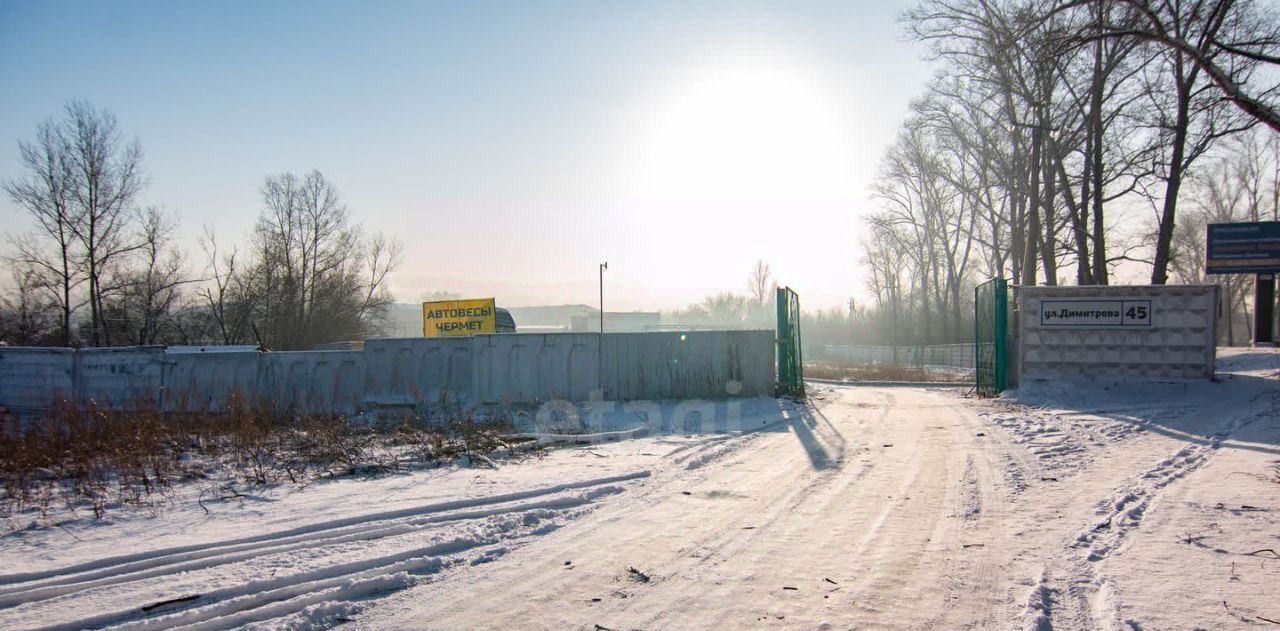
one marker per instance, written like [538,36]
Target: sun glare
[749,130]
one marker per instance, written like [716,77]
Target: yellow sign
[443,318]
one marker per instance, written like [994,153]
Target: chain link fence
[952,363]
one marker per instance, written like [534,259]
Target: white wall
[1178,343]
[390,373]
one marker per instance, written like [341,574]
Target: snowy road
[880,506]
[1065,507]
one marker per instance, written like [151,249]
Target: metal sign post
[1264,295]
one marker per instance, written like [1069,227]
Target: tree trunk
[1032,236]
[1164,240]
[1016,243]
[1094,159]
[66,292]
[1048,247]
[1079,222]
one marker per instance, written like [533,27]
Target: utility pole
[603,266]
[600,340]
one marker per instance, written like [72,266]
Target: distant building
[617,322]
[548,318]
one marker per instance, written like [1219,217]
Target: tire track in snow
[167,565]
[294,589]
[520,520]
[1123,510]
[958,555]
[700,453]
[348,526]
[1090,600]
[797,484]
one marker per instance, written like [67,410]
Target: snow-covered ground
[1082,505]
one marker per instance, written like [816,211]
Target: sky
[511,147]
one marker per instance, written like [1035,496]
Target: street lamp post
[603,266]
[600,345]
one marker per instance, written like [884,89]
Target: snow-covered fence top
[400,372]
[1142,331]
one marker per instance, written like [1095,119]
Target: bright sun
[763,129]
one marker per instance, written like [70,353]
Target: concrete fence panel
[206,381]
[121,377]
[409,371]
[505,370]
[312,381]
[390,372]
[400,372]
[1150,331]
[528,368]
[551,369]
[32,379]
[440,369]
[581,367]
[700,364]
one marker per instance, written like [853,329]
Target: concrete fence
[391,373]
[1144,331]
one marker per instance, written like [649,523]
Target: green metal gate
[990,336]
[790,357]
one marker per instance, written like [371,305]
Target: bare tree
[725,308]
[440,294]
[921,186]
[146,307]
[1222,39]
[224,296]
[48,257]
[1238,185]
[315,278]
[885,260]
[1187,109]
[382,256]
[29,317]
[105,180]
[1050,114]
[760,285]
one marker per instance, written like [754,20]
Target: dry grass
[89,458]
[876,372]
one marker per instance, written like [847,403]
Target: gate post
[790,361]
[990,333]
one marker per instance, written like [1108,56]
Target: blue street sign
[1243,248]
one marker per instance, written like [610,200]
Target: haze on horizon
[510,146]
